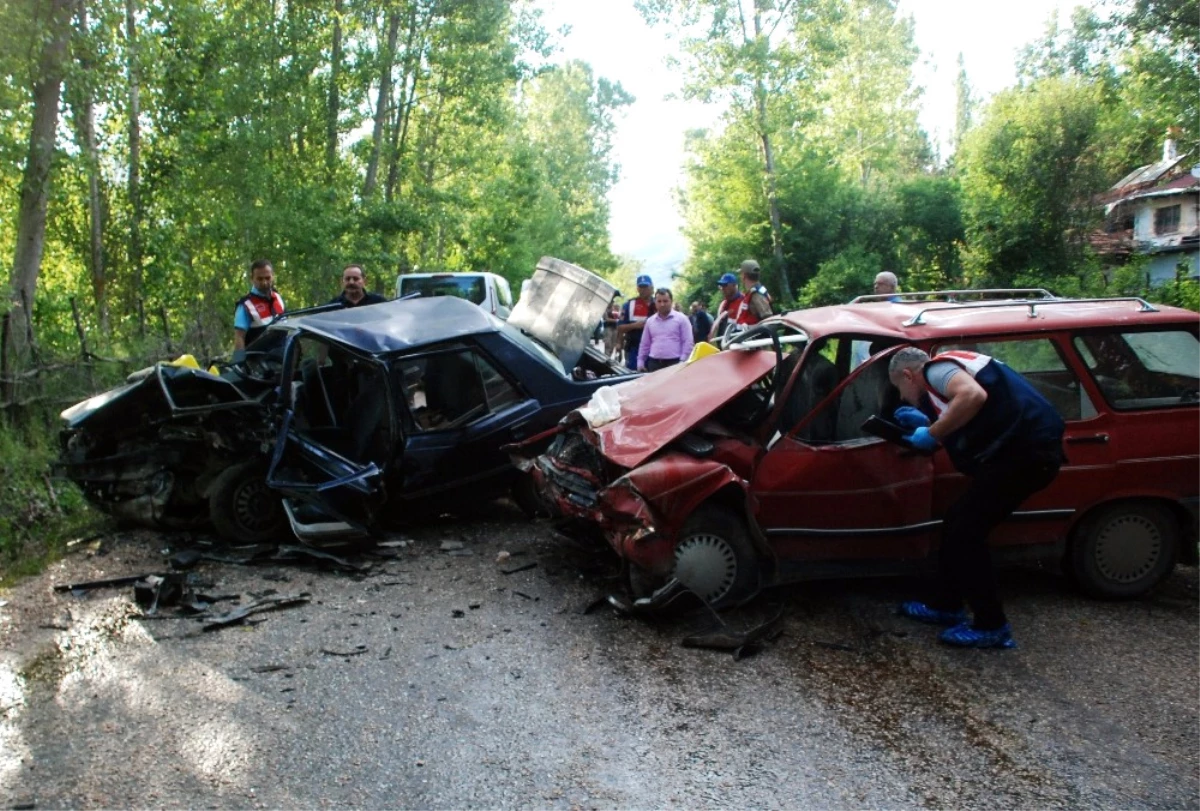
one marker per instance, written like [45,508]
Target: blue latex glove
[922,439]
[911,418]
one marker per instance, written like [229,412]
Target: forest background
[151,149]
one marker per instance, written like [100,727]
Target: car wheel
[525,494]
[1125,550]
[243,508]
[715,559]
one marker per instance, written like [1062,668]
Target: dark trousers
[654,364]
[964,563]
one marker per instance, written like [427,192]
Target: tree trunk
[35,184]
[334,104]
[408,91]
[381,107]
[84,109]
[135,151]
[760,95]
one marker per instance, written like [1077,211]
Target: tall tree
[35,185]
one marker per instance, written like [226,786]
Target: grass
[38,515]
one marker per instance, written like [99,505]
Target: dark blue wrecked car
[344,422]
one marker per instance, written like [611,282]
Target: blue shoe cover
[916,610]
[964,636]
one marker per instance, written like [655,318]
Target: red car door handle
[1092,439]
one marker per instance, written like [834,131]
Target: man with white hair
[886,283]
[1007,439]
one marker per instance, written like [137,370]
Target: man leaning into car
[1007,439]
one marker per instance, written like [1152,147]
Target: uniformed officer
[1007,438]
[256,309]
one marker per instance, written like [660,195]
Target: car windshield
[470,288]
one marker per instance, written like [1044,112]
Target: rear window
[1143,369]
[470,288]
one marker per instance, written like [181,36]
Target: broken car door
[461,410]
[827,490]
[335,430]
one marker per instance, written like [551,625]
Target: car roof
[930,320]
[394,326]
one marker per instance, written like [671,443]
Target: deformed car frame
[402,408]
[750,468]
[179,447]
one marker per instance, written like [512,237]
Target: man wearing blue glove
[1007,438]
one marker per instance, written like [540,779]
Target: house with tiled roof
[1155,211]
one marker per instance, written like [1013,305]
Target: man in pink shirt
[667,337]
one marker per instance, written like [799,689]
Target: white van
[489,291]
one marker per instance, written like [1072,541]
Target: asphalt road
[435,680]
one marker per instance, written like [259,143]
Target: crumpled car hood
[659,408]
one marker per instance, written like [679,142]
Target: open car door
[828,485]
[335,438]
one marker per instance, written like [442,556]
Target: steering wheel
[262,367]
[777,383]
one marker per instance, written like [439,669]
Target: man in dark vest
[1007,439]
[354,289]
[256,309]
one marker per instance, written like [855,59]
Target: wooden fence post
[162,314]
[83,347]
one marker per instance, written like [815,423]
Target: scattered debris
[524,568]
[602,600]
[269,668]
[503,555]
[358,651]
[185,559]
[458,613]
[742,643]
[451,546]
[393,544]
[154,590]
[266,604]
[112,582]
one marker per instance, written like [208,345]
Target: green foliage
[1027,173]
[485,158]
[851,273]
[37,514]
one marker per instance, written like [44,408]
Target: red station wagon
[751,467]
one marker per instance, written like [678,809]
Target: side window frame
[1081,401]
[478,361]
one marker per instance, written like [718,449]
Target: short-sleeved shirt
[265,305]
[939,372]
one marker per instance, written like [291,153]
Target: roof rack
[956,295]
[1032,304]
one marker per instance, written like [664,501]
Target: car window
[1143,369]
[840,419]
[470,288]
[1039,361]
[451,389]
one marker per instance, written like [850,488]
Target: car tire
[242,508]
[715,559]
[525,495]
[1124,550]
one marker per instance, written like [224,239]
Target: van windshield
[470,288]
